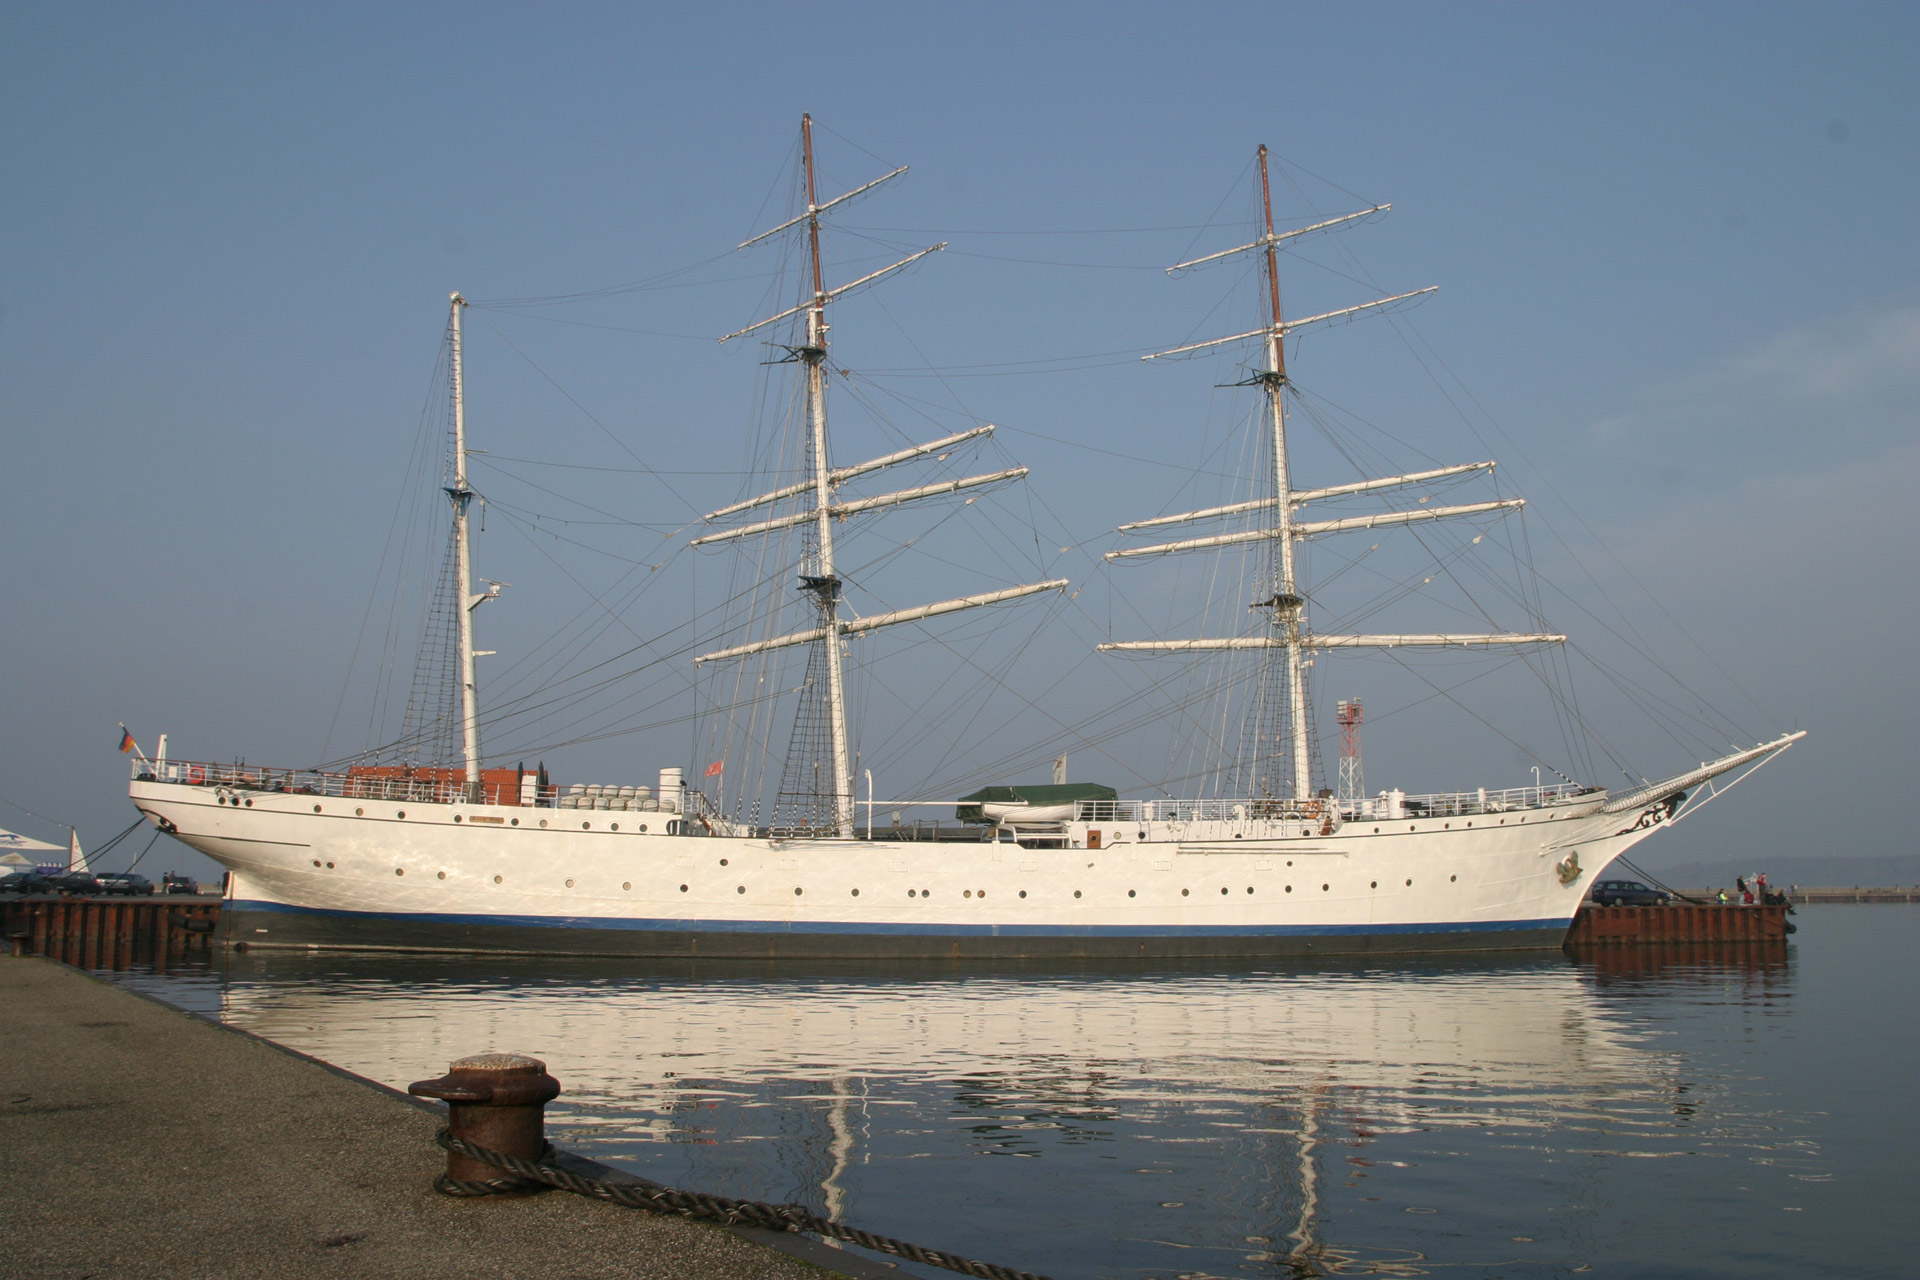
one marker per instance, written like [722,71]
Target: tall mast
[820,479]
[1289,609]
[462,498]
[1279,710]
[824,582]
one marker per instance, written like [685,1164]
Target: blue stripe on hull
[868,929]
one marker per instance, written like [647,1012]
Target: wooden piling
[1678,922]
[99,933]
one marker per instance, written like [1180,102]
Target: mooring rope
[694,1204]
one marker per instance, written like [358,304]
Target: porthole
[1289,888]
[856,893]
[399,871]
[1143,835]
[1131,894]
[683,888]
[316,862]
[1185,892]
[543,822]
[1374,885]
[723,862]
[1503,822]
[1409,884]
[1223,891]
[329,866]
[443,875]
[359,813]
[627,885]
[1076,893]
[913,893]
[1411,827]
[586,826]
[401,814]
[1023,893]
[496,879]
[926,893]
[1446,826]
[1376,831]
[316,808]
[1249,888]
[1325,887]
[616,826]
[741,889]
[1289,861]
[569,884]
[1469,824]
[796,891]
[979,893]
[249,804]
[966,893]
[513,822]
[456,817]
[643,826]
[1451,879]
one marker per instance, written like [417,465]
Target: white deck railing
[437,788]
[433,786]
[1392,804]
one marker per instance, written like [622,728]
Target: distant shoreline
[1818,894]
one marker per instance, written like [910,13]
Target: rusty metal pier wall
[1678,922]
[111,933]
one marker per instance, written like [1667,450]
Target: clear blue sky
[1676,245]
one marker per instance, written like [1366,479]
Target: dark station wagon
[1628,893]
[126,882]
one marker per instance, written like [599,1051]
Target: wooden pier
[1858,894]
[111,933]
[1678,922]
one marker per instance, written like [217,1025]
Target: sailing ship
[470,858]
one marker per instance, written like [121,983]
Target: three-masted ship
[473,858]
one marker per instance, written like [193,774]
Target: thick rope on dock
[693,1204]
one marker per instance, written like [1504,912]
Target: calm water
[1666,1114]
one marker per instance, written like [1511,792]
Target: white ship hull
[312,870]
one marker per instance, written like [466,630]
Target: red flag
[713,770]
[126,741]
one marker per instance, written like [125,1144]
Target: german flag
[126,741]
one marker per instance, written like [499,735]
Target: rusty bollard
[497,1101]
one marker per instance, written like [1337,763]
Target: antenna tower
[1353,779]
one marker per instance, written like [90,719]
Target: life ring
[196,775]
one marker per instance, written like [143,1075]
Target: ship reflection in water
[1505,1117]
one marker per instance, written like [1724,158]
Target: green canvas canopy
[1047,793]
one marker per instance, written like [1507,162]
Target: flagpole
[128,745]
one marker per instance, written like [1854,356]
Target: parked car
[74,882]
[25,882]
[1628,893]
[126,882]
[171,882]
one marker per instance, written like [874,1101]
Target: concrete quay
[142,1141]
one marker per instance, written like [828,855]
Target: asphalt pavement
[141,1141]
